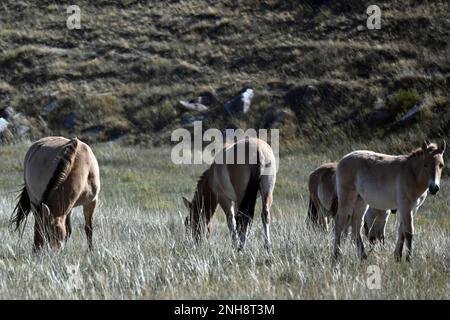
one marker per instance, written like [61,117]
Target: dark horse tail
[313,215]
[247,206]
[23,207]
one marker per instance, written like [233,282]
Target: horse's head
[53,227]
[433,163]
[192,222]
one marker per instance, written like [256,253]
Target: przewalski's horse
[59,174]
[323,203]
[233,181]
[385,181]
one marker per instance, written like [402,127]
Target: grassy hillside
[124,72]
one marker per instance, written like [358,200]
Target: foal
[384,181]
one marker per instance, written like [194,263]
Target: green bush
[403,100]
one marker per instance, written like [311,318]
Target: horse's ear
[45,210]
[425,145]
[443,147]
[187,203]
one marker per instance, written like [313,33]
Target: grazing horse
[323,203]
[385,181]
[239,171]
[59,174]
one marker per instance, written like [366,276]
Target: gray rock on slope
[193,106]
[418,107]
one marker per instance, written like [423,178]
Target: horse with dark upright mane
[382,182]
[239,172]
[59,174]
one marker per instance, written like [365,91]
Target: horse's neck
[417,166]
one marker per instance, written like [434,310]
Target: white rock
[3,124]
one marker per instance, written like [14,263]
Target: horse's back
[44,158]
[233,171]
[373,175]
[40,163]
[368,163]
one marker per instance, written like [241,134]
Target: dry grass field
[141,250]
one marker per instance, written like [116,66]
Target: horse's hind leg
[357,219]
[267,200]
[346,202]
[88,210]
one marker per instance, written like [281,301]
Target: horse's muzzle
[433,189]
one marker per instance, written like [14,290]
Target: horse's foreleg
[231,222]
[228,207]
[406,231]
[39,233]
[399,246]
[244,222]
[88,211]
[68,226]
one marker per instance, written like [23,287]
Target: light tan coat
[59,174]
[234,183]
[323,203]
[385,181]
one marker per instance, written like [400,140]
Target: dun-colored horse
[385,181]
[233,181]
[323,203]
[59,174]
